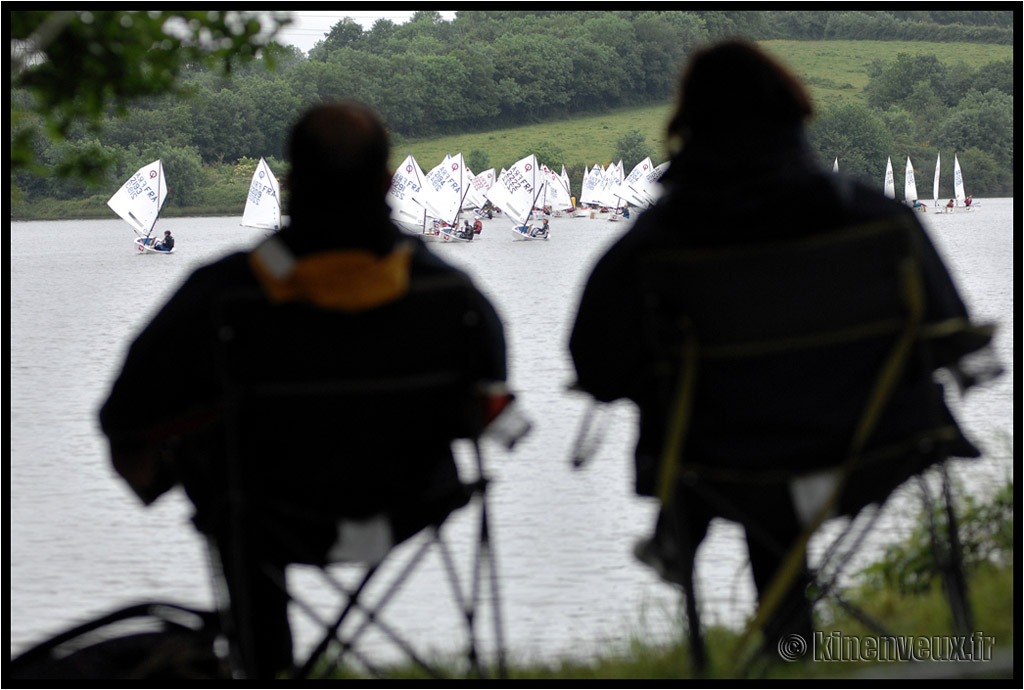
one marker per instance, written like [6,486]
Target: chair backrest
[335,415]
[778,357]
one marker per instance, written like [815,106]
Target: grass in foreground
[897,601]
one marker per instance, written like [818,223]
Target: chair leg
[679,532]
[956,580]
[952,565]
[256,621]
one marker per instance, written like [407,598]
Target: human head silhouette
[339,154]
[733,88]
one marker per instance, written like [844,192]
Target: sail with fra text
[140,198]
[263,205]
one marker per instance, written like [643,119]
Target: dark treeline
[493,69]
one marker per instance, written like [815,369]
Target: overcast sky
[307,28]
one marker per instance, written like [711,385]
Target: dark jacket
[775,192]
[167,427]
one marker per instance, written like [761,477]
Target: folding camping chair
[829,325]
[326,454]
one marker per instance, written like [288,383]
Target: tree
[631,149]
[996,75]
[893,82]
[549,154]
[224,127]
[345,33]
[984,122]
[77,64]
[857,136]
[478,161]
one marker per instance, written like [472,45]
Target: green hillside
[835,72]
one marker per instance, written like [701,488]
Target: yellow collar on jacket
[349,280]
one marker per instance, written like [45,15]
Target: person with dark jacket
[364,270]
[750,139]
[167,243]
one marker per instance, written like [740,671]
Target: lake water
[82,544]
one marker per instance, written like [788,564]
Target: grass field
[834,71]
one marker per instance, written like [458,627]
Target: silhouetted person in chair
[752,138]
[339,256]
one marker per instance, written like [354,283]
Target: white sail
[958,181]
[890,181]
[635,182]
[478,184]
[835,165]
[654,188]
[611,194]
[263,205]
[556,190]
[517,189]
[646,189]
[446,189]
[910,184]
[593,184]
[405,193]
[141,197]
[568,185]
[935,181]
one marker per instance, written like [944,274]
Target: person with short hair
[167,243]
[356,263]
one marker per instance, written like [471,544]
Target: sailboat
[516,192]
[263,205]
[593,184]
[890,181]
[611,195]
[139,201]
[405,199]
[835,165]
[478,185]
[958,185]
[447,187]
[935,183]
[556,197]
[638,187]
[910,186]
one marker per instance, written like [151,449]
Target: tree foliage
[104,86]
[631,149]
[77,65]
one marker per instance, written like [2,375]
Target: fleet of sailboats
[430,204]
[960,201]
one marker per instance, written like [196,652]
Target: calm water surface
[82,544]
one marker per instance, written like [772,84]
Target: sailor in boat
[968,200]
[467,232]
[166,244]
[535,231]
[950,205]
[477,227]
